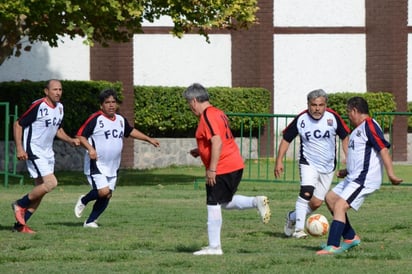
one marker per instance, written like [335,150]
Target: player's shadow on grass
[131,178]
[6,227]
[68,224]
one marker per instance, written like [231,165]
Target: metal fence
[7,171]
[259,152]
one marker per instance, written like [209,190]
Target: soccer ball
[317,225]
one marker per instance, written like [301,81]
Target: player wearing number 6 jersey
[224,167]
[317,128]
[102,135]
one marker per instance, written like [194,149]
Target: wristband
[211,170]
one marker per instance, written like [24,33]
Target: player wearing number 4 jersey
[367,154]
[224,167]
[317,127]
[102,135]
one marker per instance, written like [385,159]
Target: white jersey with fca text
[317,138]
[364,163]
[40,124]
[106,135]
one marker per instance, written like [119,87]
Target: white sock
[214,225]
[241,202]
[302,206]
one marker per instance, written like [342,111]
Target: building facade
[297,46]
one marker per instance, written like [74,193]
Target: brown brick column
[115,63]
[386,67]
[252,59]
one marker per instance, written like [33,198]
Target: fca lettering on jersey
[114,133]
[317,134]
[54,122]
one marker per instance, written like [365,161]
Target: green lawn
[157,218]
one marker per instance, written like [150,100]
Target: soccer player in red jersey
[224,165]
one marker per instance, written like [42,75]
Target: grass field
[157,218]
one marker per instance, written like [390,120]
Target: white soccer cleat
[289,227]
[299,234]
[79,207]
[209,251]
[262,203]
[90,225]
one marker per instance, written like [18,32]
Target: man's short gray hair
[316,94]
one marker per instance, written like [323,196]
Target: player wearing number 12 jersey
[102,136]
[34,134]
[221,157]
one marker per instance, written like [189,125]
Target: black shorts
[224,189]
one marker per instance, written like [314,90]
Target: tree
[23,22]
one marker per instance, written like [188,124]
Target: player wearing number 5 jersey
[102,136]
[317,127]
[224,167]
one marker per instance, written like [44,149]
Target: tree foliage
[23,22]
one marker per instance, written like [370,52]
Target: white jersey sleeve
[40,124]
[317,139]
[106,135]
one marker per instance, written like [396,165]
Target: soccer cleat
[299,234]
[330,250]
[19,213]
[289,227]
[79,207]
[91,225]
[263,208]
[209,251]
[348,244]
[23,229]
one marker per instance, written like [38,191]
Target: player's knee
[315,203]
[49,183]
[306,192]
[105,192]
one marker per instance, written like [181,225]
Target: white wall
[169,61]
[319,13]
[335,63]
[69,61]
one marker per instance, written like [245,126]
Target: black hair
[106,93]
[359,103]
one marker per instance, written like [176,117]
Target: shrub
[163,112]
[80,99]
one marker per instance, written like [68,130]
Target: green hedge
[163,112]
[377,102]
[80,99]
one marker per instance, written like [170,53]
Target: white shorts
[40,167]
[99,181]
[309,176]
[353,193]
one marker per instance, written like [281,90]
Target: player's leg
[83,200]
[24,207]
[344,196]
[261,203]
[222,193]
[309,178]
[105,186]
